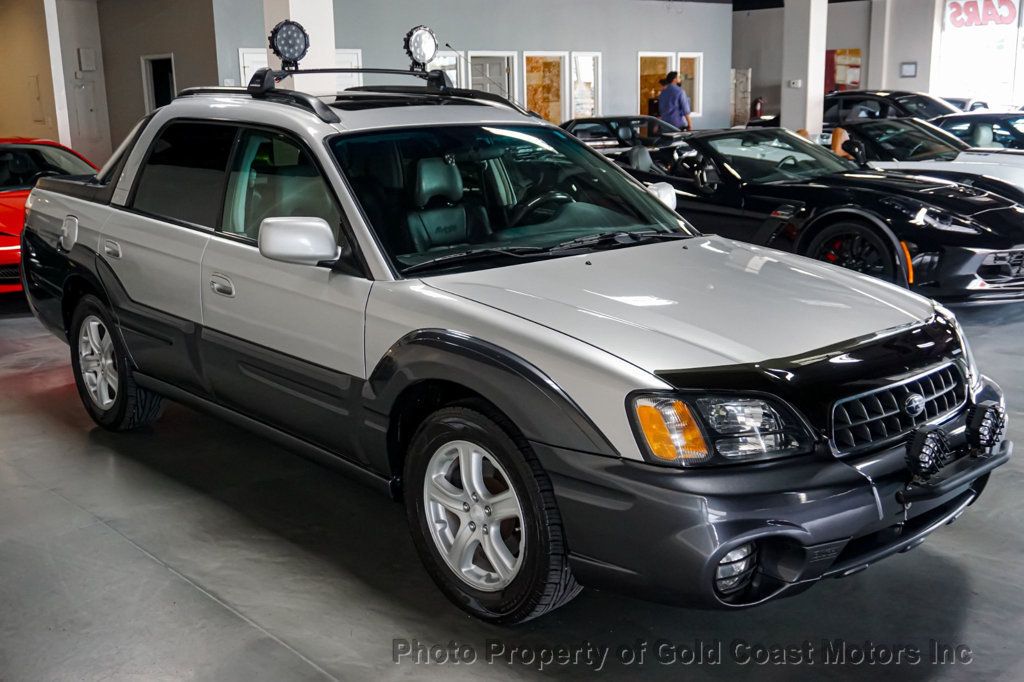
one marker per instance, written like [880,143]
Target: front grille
[8,274]
[881,416]
[1002,265]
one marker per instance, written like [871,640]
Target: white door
[492,74]
[251,60]
[348,59]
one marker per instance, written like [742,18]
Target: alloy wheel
[97,362]
[854,252]
[474,515]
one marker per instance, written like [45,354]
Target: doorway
[493,72]
[158,80]
[653,67]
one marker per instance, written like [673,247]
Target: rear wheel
[102,375]
[856,247]
[484,518]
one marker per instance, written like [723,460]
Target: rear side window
[184,177]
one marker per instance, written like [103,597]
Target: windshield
[645,126]
[491,190]
[925,107]
[773,155]
[908,141]
[22,164]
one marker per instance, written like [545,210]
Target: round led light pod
[290,42]
[421,46]
[927,452]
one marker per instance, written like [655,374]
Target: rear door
[282,343]
[154,244]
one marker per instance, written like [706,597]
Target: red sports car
[22,162]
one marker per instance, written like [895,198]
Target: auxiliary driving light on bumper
[928,452]
[736,569]
[986,425]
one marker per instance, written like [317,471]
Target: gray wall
[131,29]
[618,29]
[756,35]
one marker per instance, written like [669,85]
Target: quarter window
[273,177]
[184,176]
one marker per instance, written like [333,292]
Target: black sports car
[851,106]
[769,186]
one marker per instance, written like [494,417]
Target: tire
[857,247]
[102,374]
[540,579]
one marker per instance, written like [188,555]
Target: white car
[919,147]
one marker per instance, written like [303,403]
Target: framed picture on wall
[908,69]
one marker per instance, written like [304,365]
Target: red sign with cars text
[968,13]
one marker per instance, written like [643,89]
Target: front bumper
[962,275]
[659,534]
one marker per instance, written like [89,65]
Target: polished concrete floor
[197,551]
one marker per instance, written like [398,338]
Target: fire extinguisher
[757,109]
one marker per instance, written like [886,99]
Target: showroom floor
[198,551]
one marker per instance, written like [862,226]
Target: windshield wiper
[451,258]
[621,237]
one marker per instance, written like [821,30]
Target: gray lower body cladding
[659,534]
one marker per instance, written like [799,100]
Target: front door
[282,343]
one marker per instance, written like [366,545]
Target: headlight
[973,375]
[923,215]
[710,429]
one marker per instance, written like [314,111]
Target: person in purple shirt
[673,104]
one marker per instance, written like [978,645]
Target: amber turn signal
[671,431]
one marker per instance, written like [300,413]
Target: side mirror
[855,148]
[303,241]
[665,192]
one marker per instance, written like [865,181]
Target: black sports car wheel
[483,516]
[855,247]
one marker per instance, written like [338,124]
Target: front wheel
[483,516]
[102,374]
[855,247]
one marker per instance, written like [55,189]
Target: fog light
[986,425]
[928,452]
[736,569]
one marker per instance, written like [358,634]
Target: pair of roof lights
[290,42]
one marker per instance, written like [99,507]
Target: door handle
[220,284]
[112,248]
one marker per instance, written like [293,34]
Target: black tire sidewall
[877,241]
[518,599]
[90,305]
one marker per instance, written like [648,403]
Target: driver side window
[274,177]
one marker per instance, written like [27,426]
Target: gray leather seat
[441,218]
[982,136]
[640,159]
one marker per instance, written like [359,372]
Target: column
[878,44]
[317,17]
[803,64]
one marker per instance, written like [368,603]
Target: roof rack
[263,85]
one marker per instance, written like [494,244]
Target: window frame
[598,81]
[148,96]
[699,80]
[672,59]
[513,59]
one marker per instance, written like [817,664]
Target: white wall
[85,91]
[913,37]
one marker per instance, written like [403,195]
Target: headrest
[981,135]
[640,159]
[625,134]
[437,178]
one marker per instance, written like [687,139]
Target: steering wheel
[787,161]
[528,206]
